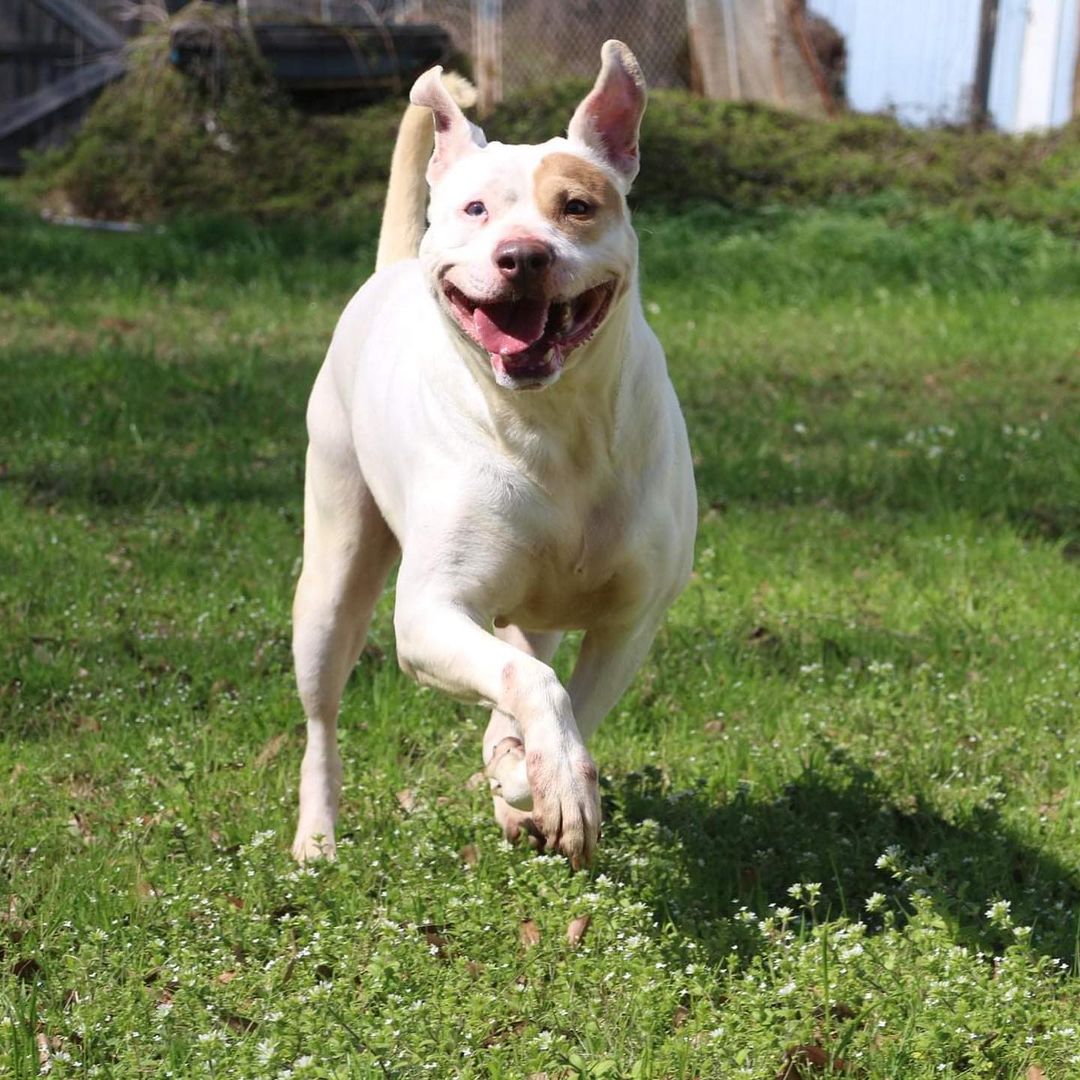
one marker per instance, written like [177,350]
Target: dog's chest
[575,569]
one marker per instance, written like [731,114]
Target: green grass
[842,799]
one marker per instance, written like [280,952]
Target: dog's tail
[405,213]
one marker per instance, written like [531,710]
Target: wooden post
[1076,69]
[984,60]
[487,54]
[731,44]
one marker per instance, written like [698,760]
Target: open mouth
[527,340]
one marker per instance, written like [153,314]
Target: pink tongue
[506,329]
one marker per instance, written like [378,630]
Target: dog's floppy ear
[454,135]
[608,120]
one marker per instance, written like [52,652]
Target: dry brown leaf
[529,933]
[223,688]
[270,750]
[20,768]
[12,923]
[762,637]
[242,1025]
[146,890]
[469,855]
[406,798]
[477,780]
[838,1012]
[1035,1072]
[801,1062]
[79,826]
[502,1031]
[27,969]
[88,725]
[437,937]
[576,930]
[47,1045]
[236,901]
[715,727]
[678,1018]
[226,977]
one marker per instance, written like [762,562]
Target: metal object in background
[322,64]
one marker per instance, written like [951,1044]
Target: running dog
[495,411]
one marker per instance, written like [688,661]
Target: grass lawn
[842,799]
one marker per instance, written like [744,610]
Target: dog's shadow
[831,825]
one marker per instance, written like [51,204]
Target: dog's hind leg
[504,748]
[348,552]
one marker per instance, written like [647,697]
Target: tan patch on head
[561,178]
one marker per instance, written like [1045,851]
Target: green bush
[161,143]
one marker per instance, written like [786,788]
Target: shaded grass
[855,735]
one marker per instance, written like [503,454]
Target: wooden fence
[55,57]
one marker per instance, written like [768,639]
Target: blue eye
[476,209]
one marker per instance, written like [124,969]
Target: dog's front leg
[444,645]
[608,661]
[504,750]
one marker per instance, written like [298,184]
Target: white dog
[499,413]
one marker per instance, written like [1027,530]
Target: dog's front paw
[517,825]
[566,802]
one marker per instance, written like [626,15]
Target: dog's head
[529,248]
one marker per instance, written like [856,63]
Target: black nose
[523,261]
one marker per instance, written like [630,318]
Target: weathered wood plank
[48,99]
[85,22]
[27,50]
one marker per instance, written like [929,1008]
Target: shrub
[161,143]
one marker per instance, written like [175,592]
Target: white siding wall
[918,57]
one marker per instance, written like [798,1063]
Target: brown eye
[577,208]
[476,209]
